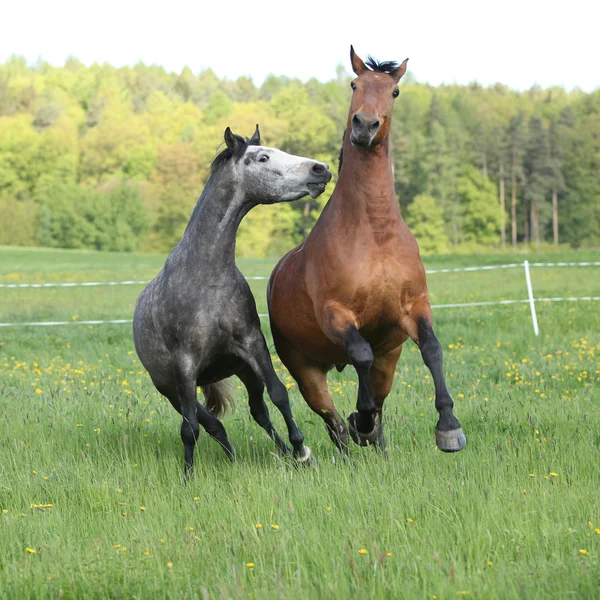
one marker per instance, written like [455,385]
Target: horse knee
[430,347]
[361,355]
[359,350]
[189,432]
[279,395]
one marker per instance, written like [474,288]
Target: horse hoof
[373,438]
[307,458]
[450,441]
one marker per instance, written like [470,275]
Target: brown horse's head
[374,91]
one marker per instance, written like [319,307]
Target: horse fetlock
[374,437]
[189,433]
[305,457]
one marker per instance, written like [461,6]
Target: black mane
[386,66]
[225,154]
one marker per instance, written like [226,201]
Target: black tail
[217,397]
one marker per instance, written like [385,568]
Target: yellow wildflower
[584,552]
[32,550]
[250,565]
[258,526]
[275,527]
[170,565]
[363,551]
[553,474]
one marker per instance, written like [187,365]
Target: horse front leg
[340,325]
[254,352]
[449,435]
[383,370]
[258,408]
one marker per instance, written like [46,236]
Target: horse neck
[366,182]
[210,235]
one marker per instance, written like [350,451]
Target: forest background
[115,159]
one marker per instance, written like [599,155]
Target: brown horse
[355,290]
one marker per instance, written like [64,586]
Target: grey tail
[217,397]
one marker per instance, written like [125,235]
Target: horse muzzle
[320,176]
[364,130]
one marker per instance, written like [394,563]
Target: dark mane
[341,158]
[225,154]
[386,66]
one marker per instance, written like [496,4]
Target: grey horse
[196,323]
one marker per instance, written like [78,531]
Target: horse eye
[263,158]
[396,93]
[353,86]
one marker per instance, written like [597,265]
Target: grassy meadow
[91,497]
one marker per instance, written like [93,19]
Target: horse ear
[255,139]
[397,74]
[358,66]
[230,140]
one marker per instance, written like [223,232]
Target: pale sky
[518,43]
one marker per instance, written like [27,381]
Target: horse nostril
[356,120]
[374,126]
[318,169]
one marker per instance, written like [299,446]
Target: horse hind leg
[258,407]
[448,432]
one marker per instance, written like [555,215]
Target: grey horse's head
[268,175]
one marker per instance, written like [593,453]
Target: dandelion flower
[162,541]
[32,550]
[38,391]
[584,552]
[276,527]
[250,565]
[170,565]
[553,474]
[363,551]
[142,508]
[410,520]
[595,530]
[388,553]
[258,526]
[490,563]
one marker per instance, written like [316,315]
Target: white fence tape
[263,278]
[264,315]
[531,299]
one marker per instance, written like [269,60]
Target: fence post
[531,300]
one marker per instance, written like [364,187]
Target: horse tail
[218,397]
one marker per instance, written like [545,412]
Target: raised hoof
[307,458]
[450,441]
[373,438]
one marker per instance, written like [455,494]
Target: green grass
[83,429]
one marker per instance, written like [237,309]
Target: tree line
[114,159]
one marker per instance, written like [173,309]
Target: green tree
[424,217]
[480,208]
